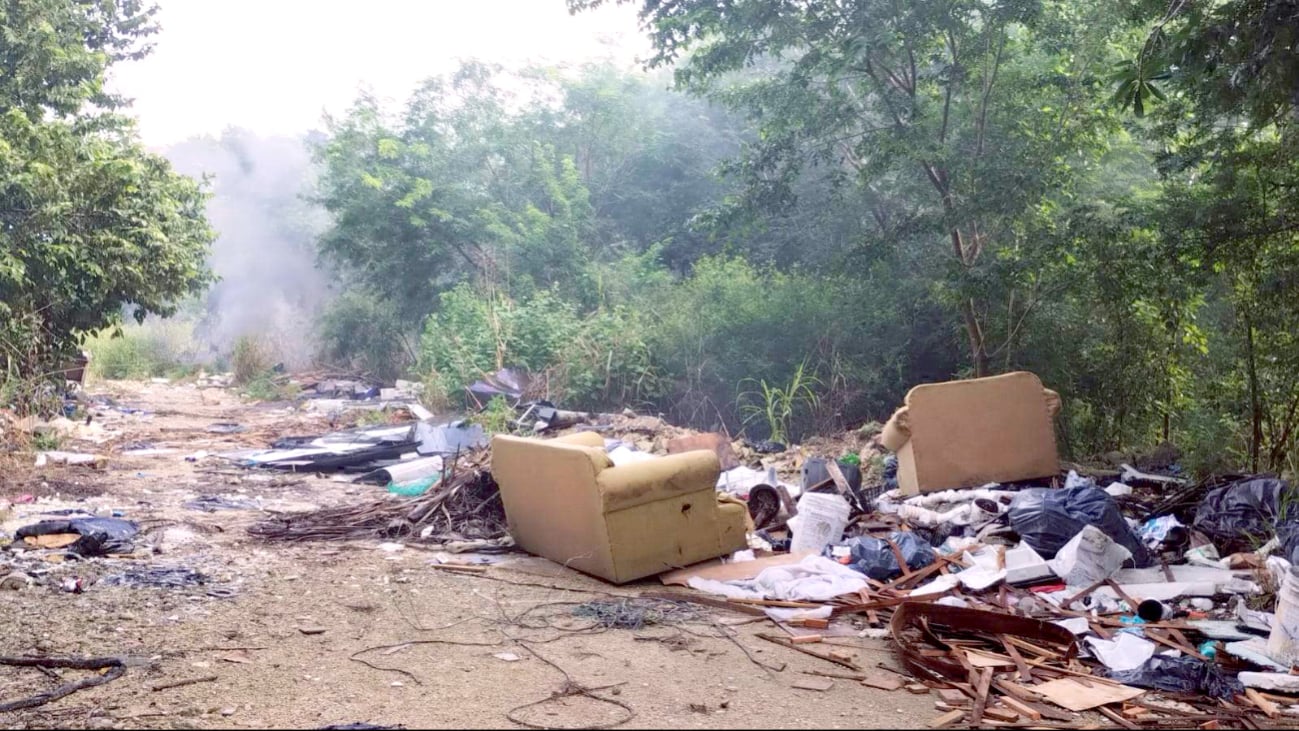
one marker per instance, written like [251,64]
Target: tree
[454,190]
[965,120]
[90,223]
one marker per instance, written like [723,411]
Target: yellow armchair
[566,501]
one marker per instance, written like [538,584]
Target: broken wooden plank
[1000,714]
[882,682]
[820,685]
[953,696]
[1025,674]
[947,719]
[780,603]
[1021,708]
[981,695]
[1116,717]
[1266,706]
[785,642]
[839,676]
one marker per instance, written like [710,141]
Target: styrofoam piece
[1024,565]
[1254,650]
[1283,682]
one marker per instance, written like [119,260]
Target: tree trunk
[1255,402]
[978,346]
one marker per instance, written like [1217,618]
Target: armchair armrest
[657,479]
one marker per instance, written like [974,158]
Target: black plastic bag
[874,557]
[1239,516]
[1047,519]
[1182,674]
[99,536]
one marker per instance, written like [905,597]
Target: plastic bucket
[820,521]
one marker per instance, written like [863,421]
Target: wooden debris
[1266,706]
[953,696]
[1116,717]
[182,683]
[981,695]
[1071,693]
[1022,708]
[820,685]
[788,643]
[947,719]
[1000,714]
[882,682]
[461,567]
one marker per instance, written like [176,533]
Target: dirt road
[280,627]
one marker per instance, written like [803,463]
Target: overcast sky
[274,66]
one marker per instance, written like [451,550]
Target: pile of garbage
[1127,591]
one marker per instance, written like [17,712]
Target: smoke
[270,284]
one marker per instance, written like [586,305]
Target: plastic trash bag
[99,536]
[1234,516]
[1047,519]
[1183,674]
[874,557]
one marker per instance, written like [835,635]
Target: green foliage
[156,348]
[776,405]
[46,441]
[263,387]
[497,417]
[594,360]
[364,332]
[91,224]
[251,360]
[843,200]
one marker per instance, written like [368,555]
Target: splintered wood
[1005,670]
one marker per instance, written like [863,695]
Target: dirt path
[439,633]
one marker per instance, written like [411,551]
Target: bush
[251,359]
[595,360]
[156,348]
[362,332]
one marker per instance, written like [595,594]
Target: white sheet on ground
[1124,652]
[814,579]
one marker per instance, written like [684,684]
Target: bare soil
[428,639]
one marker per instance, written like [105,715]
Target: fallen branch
[115,669]
[182,683]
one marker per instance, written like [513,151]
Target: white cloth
[814,579]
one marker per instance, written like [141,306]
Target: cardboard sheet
[1073,695]
[715,570]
